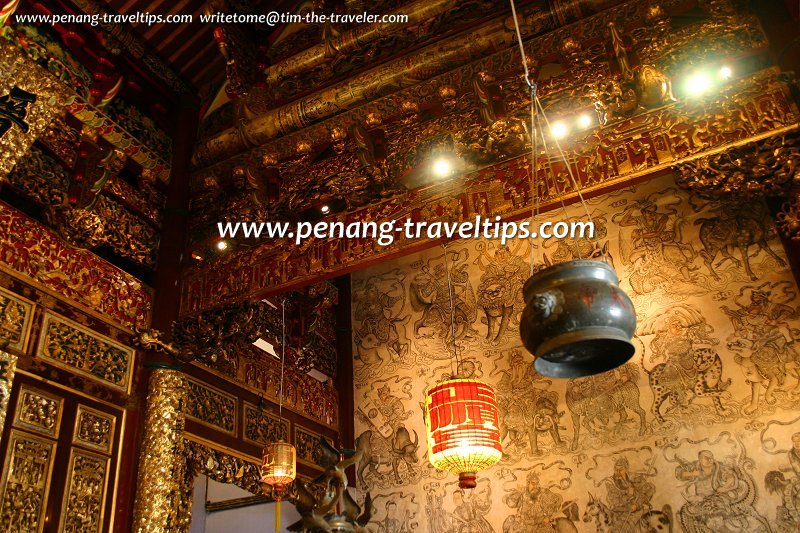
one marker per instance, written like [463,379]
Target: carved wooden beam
[750,109]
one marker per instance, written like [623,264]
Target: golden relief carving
[15,320]
[769,167]
[84,501]
[37,411]
[261,427]
[8,364]
[26,478]
[68,344]
[163,494]
[211,406]
[94,429]
[20,72]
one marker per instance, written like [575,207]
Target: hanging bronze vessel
[577,321]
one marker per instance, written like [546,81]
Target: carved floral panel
[26,478]
[37,253]
[15,320]
[73,346]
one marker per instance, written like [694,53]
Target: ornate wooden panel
[38,411]
[94,429]
[68,344]
[25,482]
[15,320]
[261,427]
[307,444]
[84,501]
[211,406]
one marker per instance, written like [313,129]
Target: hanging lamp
[577,321]
[462,420]
[279,459]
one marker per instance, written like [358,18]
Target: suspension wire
[521,47]
[283,355]
[452,310]
[536,103]
[561,192]
[571,174]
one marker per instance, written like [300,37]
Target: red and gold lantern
[278,469]
[462,420]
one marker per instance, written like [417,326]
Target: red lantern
[462,420]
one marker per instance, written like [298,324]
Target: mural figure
[594,400]
[757,329]
[388,443]
[391,522]
[438,519]
[628,495]
[537,509]
[691,369]
[470,511]
[527,409]
[737,226]
[655,248]
[787,519]
[430,293]
[719,497]
[375,312]
[500,290]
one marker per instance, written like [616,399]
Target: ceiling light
[559,130]
[585,120]
[222,245]
[725,72]
[442,167]
[698,84]
[325,209]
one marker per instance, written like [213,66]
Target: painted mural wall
[699,432]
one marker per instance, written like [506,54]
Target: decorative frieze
[68,344]
[307,443]
[36,252]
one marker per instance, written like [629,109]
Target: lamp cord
[452,308]
[283,356]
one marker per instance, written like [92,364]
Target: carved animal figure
[599,397]
[731,230]
[378,449]
[672,381]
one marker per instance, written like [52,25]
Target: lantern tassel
[278,516]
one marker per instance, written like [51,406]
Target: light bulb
[725,72]
[585,120]
[698,84]
[222,245]
[442,167]
[559,130]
